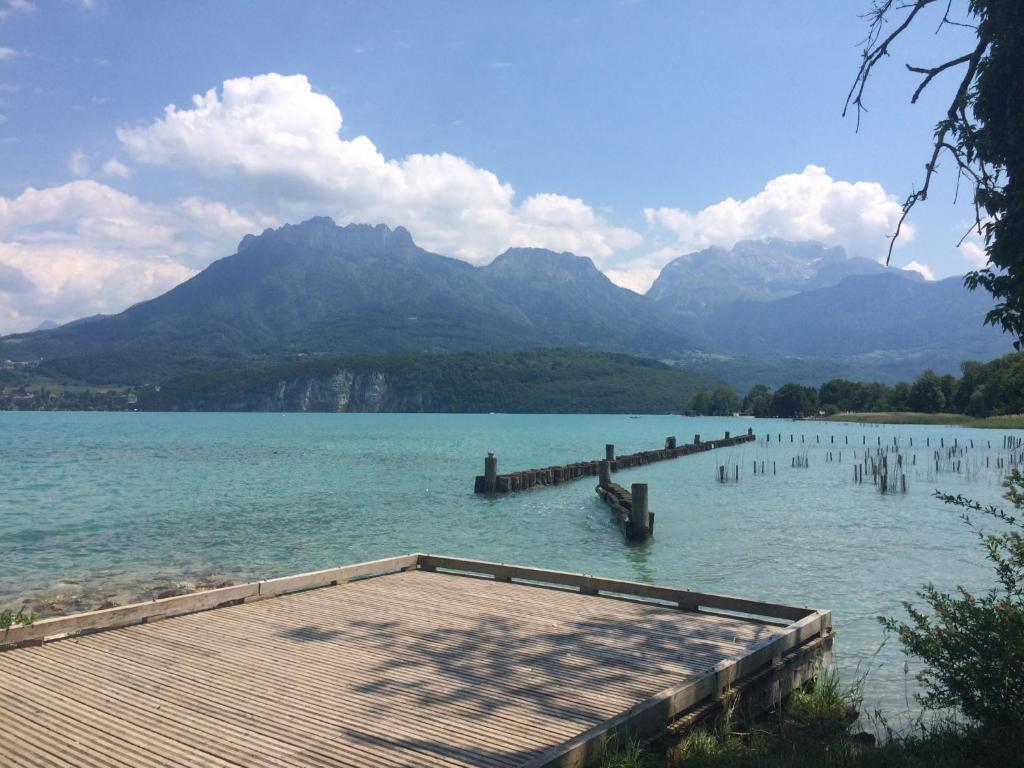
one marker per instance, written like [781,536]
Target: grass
[952,419]
[817,728]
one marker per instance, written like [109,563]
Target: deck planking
[412,668]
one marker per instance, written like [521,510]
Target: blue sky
[630,132]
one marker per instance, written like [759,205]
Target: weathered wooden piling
[604,472]
[609,452]
[639,514]
[670,442]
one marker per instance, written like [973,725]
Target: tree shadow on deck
[481,668]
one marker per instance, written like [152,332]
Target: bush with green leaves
[11,618]
[973,644]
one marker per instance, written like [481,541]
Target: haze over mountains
[317,289]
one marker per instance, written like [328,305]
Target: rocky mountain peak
[322,233]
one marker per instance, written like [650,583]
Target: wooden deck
[422,665]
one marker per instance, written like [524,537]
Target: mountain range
[317,289]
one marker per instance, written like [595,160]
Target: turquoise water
[117,502]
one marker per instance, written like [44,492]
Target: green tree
[758,401]
[900,397]
[949,389]
[699,403]
[723,402]
[792,401]
[981,131]
[926,393]
[976,405]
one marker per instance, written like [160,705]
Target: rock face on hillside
[346,391]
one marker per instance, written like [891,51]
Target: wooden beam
[153,610]
[684,597]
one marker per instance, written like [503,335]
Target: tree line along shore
[984,395]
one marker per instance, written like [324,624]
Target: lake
[125,504]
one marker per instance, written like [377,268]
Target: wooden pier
[491,482]
[419,660]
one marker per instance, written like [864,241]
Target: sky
[139,141]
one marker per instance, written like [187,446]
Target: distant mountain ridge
[318,289]
[753,270]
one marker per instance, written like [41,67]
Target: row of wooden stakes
[492,482]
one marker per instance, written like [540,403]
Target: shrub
[973,645]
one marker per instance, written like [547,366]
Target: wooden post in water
[727,435]
[750,431]
[609,452]
[696,439]
[639,515]
[604,470]
[670,442]
[490,473]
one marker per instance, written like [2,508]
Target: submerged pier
[492,482]
[418,660]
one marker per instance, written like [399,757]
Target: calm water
[100,501]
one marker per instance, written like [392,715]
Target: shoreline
[931,419]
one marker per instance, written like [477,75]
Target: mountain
[770,309]
[753,270]
[319,289]
[861,315]
[774,312]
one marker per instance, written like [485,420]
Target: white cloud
[85,247]
[283,138]
[79,164]
[6,54]
[973,250]
[810,205]
[799,206]
[114,167]
[923,269]
[11,7]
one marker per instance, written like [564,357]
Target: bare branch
[955,112]
[931,72]
[875,51]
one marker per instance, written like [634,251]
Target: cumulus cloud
[284,139]
[973,250]
[6,54]
[84,247]
[923,269]
[809,205]
[114,167]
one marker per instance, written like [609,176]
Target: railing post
[490,473]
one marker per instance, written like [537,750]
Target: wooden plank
[334,576]
[109,618]
[631,588]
